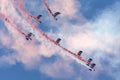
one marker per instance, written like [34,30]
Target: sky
[91,26]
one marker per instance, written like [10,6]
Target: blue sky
[91,26]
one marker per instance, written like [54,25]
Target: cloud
[5,40]
[97,38]
[58,69]
[99,34]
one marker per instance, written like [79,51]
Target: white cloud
[58,69]
[101,34]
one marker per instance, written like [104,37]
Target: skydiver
[58,40]
[79,53]
[89,61]
[56,14]
[38,17]
[28,37]
[92,66]
[50,11]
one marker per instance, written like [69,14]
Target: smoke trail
[18,22]
[30,51]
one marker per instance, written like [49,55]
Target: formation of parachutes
[28,36]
